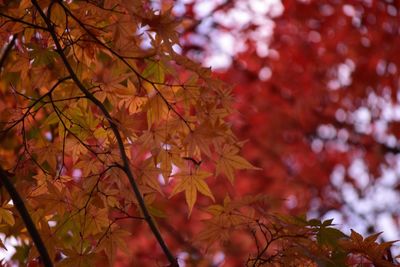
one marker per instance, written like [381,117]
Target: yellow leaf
[114,240]
[230,161]
[203,188]
[190,195]
[6,216]
[215,209]
[131,99]
[156,110]
[191,182]
[149,176]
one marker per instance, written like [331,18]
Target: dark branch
[20,206]
[7,51]
[20,20]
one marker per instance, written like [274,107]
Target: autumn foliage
[116,150]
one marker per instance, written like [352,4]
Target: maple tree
[113,142]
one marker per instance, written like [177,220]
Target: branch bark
[7,51]
[20,206]
[125,161]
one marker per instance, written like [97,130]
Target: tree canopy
[118,148]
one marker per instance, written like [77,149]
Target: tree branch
[20,20]
[20,206]
[7,51]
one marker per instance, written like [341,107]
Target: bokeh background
[316,87]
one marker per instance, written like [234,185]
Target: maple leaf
[96,220]
[131,99]
[149,175]
[165,26]
[109,84]
[76,258]
[213,231]
[229,161]
[156,71]
[166,163]
[225,218]
[113,240]
[192,182]
[368,247]
[6,216]
[156,110]
[204,136]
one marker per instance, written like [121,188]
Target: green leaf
[329,236]
[155,70]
